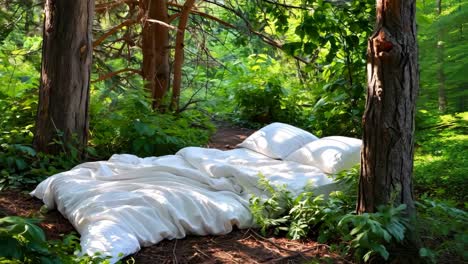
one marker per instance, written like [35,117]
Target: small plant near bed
[22,241]
[366,237]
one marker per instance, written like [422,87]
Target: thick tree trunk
[65,76]
[155,48]
[388,122]
[179,53]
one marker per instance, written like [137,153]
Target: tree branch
[112,74]
[101,8]
[286,5]
[127,22]
[267,39]
[159,22]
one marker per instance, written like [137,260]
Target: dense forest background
[245,62]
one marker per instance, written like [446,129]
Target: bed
[127,202]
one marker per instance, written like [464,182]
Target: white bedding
[127,202]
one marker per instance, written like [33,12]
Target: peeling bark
[65,76]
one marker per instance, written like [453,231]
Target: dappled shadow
[22,204]
[441,163]
[239,246]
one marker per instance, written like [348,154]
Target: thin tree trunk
[439,6]
[29,15]
[155,48]
[441,76]
[388,122]
[440,57]
[179,53]
[65,76]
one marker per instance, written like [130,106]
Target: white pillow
[329,154]
[277,140]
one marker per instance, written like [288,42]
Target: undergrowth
[441,160]
[23,241]
[119,124]
[127,123]
[366,237]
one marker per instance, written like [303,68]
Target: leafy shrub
[22,241]
[372,231]
[129,124]
[20,164]
[337,111]
[260,103]
[119,124]
[330,219]
[443,228]
[368,236]
[263,92]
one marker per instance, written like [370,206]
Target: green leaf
[425,252]
[382,251]
[21,164]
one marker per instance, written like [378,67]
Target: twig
[173,252]
[107,6]
[295,253]
[271,242]
[113,30]
[159,22]
[288,6]
[201,252]
[112,74]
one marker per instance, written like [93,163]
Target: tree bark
[65,76]
[388,121]
[155,49]
[179,53]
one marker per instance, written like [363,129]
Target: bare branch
[159,22]
[112,74]
[113,30]
[101,8]
[287,6]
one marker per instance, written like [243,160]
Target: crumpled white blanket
[127,202]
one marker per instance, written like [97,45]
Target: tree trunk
[439,6]
[388,122]
[29,14]
[441,76]
[179,53]
[155,48]
[65,76]
[440,61]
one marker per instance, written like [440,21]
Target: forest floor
[239,246]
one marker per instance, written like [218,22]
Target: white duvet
[127,202]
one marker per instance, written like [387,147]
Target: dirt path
[228,136]
[239,246]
